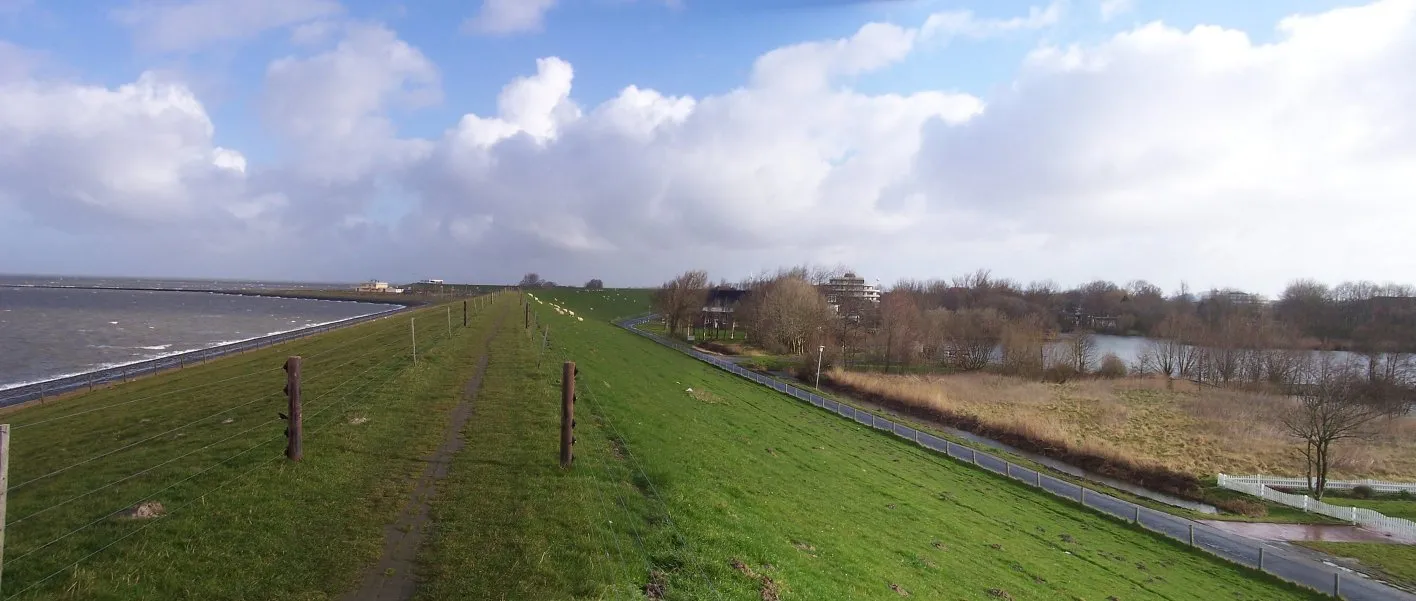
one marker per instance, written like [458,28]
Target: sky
[1198,142]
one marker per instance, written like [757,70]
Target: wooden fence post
[4,483]
[413,336]
[295,426]
[567,413]
[464,313]
[527,318]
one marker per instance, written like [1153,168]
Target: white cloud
[332,107]
[16,63]
[1110,9]
[1159,153]
[168,26]
[963,23]
[141,152]
[502,17]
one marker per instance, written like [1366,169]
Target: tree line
[978,322]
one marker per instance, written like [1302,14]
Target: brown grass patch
[1143,430]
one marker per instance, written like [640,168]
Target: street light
[819,353]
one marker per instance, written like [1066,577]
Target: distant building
[1240,298]
[720,308]
[378,287]
[437,282]
[850,286]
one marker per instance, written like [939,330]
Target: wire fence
[1275,560]
[39,391]
[59,506]
[1367,518]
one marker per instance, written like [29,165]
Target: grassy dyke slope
[694,484]
[240,522]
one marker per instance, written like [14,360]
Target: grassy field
[240,522]
[1397,563]
[693,484]
[1196,431]
[1390,506]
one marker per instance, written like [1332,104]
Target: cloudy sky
[1202,141]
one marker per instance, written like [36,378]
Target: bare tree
[1329,408]
[595,284]
[1079,351]
[1171,353]
[1024,345]
[531,280]
[900,325]
[681,298]
[787,313]
[973,336]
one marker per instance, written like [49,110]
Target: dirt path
[392,577]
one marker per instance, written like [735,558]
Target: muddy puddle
[1305,532]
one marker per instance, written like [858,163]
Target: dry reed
[1145,422]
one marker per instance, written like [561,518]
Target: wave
[103,366]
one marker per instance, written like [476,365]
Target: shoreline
[314,294]
[64,384]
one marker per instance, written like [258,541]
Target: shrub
[1059,373]
[1245,507]
[1362,491]
[1112,367]
[1404,495]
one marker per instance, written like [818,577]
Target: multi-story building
[850,286]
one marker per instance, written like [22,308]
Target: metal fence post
[1038,473]
[1337,584]
[973,456]
[1192,535]
[1261,558]
[1138,514]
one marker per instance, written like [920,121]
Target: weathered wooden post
[464,313]
[294,429]
[567,413]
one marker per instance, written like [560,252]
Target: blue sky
[1021,127]
[697,48]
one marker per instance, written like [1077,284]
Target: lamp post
[820,352]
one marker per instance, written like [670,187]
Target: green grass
[242,522]
[1396,563]
[678,488]
[1389,506]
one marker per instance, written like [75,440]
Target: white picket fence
[1366,518]
[1277,482]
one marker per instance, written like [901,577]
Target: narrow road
[392,578]
[1277,559]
